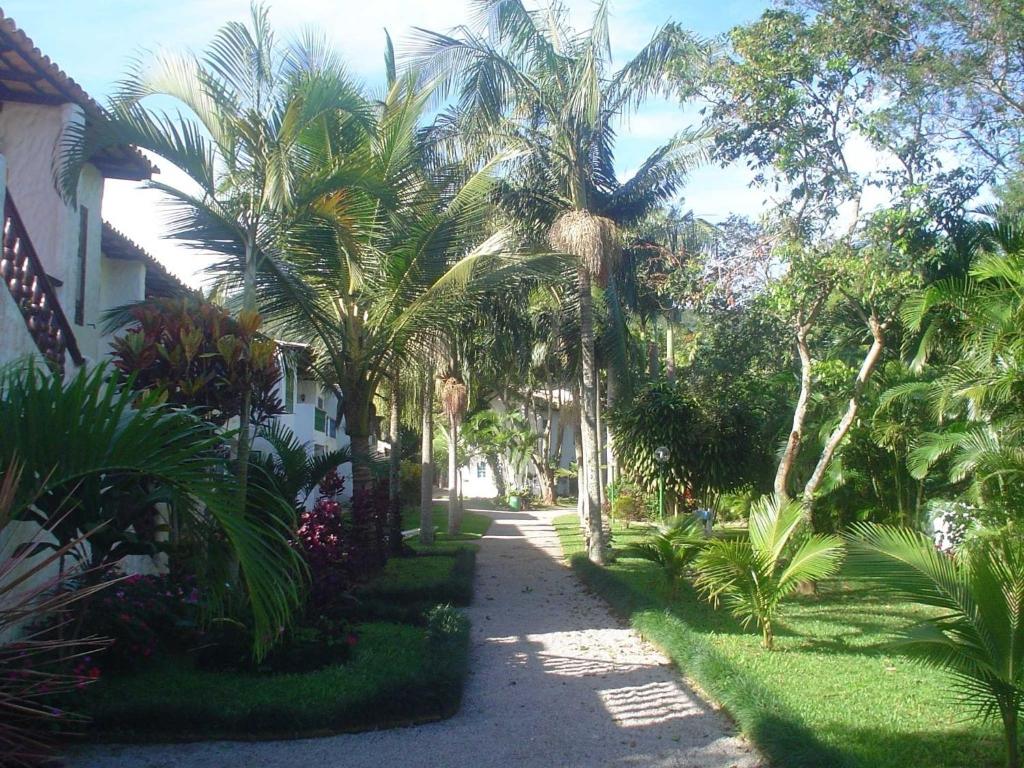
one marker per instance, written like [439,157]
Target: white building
[476,476]
[62,267]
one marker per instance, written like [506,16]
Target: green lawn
[829,696]
[474,526]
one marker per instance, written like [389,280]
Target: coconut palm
[754,575]
[674,548]
[372,273]
[125,441]
[977,632]
[244,109]
[528,78]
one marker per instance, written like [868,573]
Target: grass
[474,526]
[397,675]
[830,695]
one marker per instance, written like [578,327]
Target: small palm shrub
[977,634]
[673,549]
[754,575]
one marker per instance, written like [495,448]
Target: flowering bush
[143,616]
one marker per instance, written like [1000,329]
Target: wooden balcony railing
[25,278]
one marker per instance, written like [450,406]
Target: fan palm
[754,575]
[248,104]
[977,632]
[122,441]
[673,549]
[528,78]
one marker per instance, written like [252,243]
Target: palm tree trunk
[395,472]
[611,392]
[1012,735]
[588,421]
[427,464]
[454,520]
[670,352]
[581,495]
[244,438]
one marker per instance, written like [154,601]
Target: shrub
[143,616]
[409,482]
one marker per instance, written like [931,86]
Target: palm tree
[977,634]
[754,575]
[526,78]
[249,105]
[453,401]
[673,549]
[385,248]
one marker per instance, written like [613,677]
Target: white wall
[29,141]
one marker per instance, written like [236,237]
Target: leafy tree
[246,109]
[755,575]
[977,632]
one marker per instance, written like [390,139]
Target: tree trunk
[588,421]
[357,420]
[395,472]
[581,496]
[867,367]
[1012,737]
[454,513]
[244,441]
[792,449]
[427,464]
[494,462]
[612,393]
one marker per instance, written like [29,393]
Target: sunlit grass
[830,695]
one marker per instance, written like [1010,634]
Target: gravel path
[555,681]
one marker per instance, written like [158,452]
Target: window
[83,250]
[481,469]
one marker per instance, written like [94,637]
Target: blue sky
[93,41]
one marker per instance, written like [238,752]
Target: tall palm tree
[385,248]
[527,78]
[245,109]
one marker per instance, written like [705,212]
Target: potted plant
[518,498]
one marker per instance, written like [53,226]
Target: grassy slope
[829,696]
[396,675]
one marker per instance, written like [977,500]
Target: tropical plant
[293,471]
[674,548]
[976,633]
[528,77]
[454,399]
[39,660]
[200,358]
[754,575]
[244,110]
[125,441]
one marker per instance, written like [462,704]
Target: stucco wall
[29,140]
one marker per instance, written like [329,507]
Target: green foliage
[289,469]
[978,632]
[126,441]
[705,449]
[199,357]
[673,549]
[753,576]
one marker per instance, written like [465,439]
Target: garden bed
[829,695]
[406,667]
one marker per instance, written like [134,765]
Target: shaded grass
[474,526]
[831,695]
[396,676]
